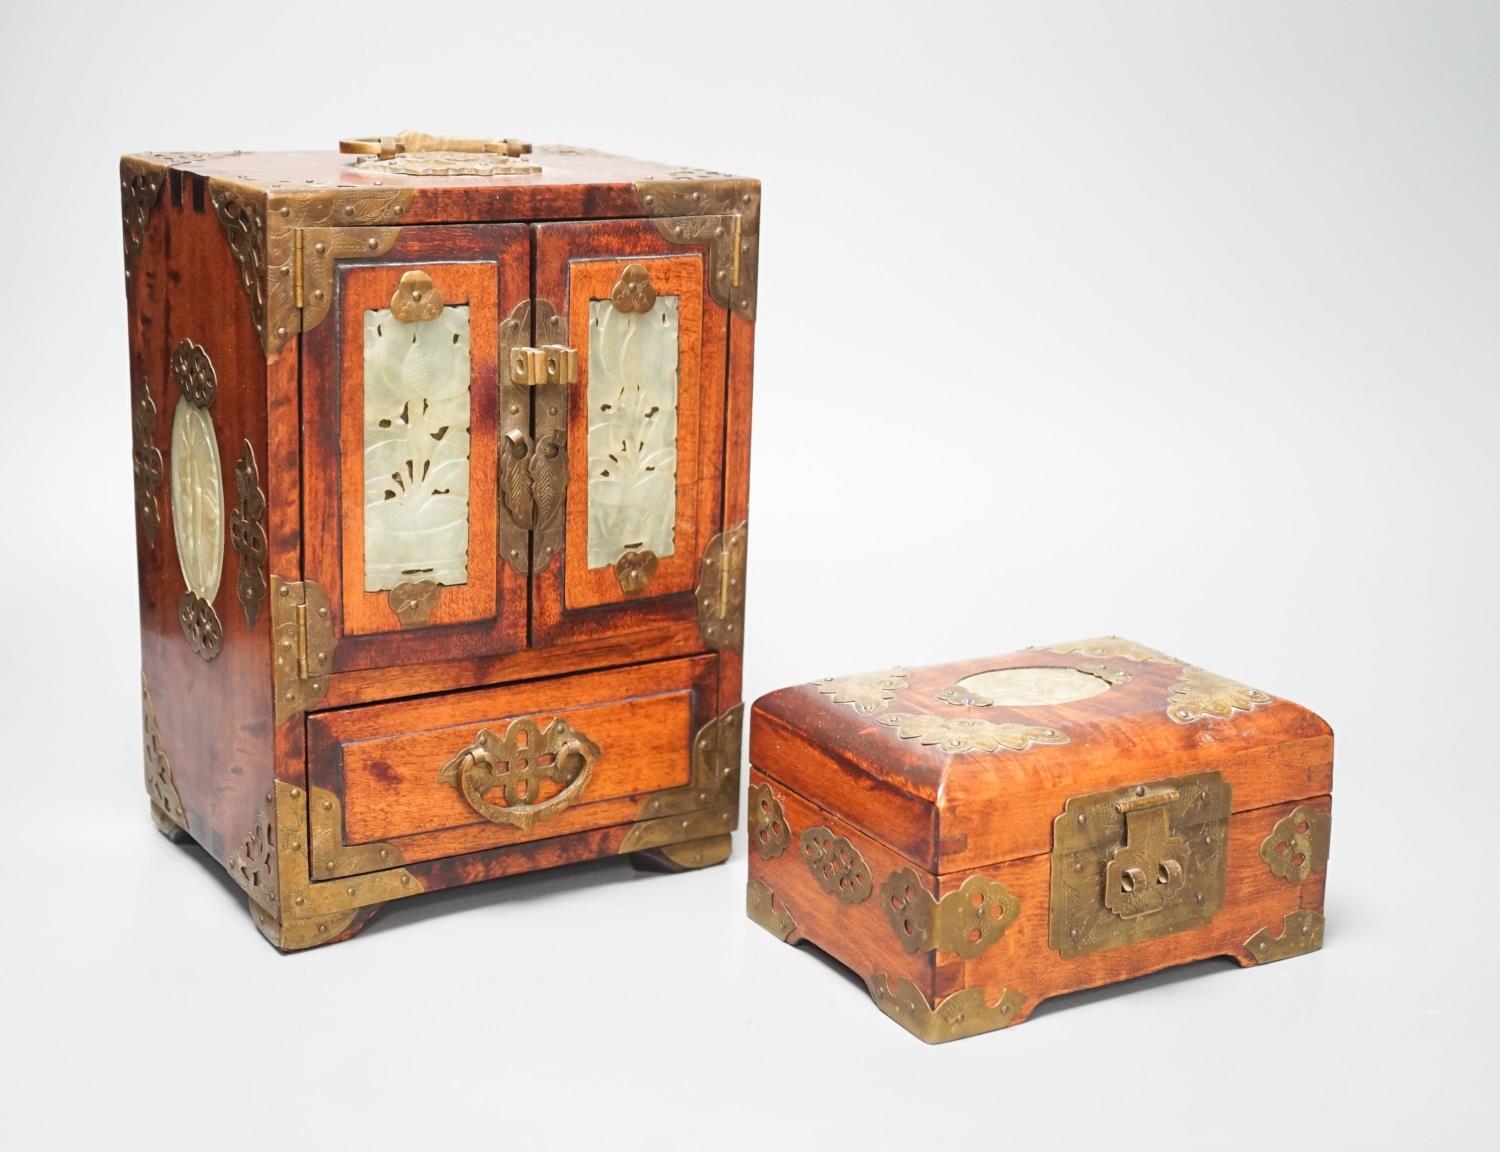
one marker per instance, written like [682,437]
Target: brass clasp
[1138,862]
[1146,872]
[549,364]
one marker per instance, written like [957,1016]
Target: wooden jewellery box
[441,454]
[974,838]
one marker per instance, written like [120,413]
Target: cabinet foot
[684,857]
[168,827]
[296,934]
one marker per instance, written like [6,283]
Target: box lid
[961,765]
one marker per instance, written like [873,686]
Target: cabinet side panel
[737,472]
[844,915]
[213,715]
[284,519]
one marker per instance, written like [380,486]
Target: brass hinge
[721,590]
[303,640]
[315,252]
[297,268]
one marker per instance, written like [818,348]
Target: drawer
[468,771]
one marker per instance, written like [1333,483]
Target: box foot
[964,1013]
[762,906]
[168,827]
[297,934]
[684,857]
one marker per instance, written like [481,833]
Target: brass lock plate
[1138,862]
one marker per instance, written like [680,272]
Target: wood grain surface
[486,267]
[214,716]
[382,761]
[568,604]
[948,811]
[861,936]
[633,674]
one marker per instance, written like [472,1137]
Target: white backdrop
[1178,321]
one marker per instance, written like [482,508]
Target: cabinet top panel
[347,205]
[443,184]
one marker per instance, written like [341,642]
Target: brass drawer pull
[517,763]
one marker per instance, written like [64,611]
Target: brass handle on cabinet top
[517,764]
[388,146]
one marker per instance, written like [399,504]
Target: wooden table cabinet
[441,457]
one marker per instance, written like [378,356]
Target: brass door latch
[549,364]
[1146,873]
[1138,862]
[534,479]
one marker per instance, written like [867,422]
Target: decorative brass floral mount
[633,291]
[416,298]
[956,734]
[247,532]
[159,784]
[836,865]
[414,601]
[965,921]
[147,464]
[633,570]
[1198,695]
[1298,845]
[769,832]
[1112,648]
[518,763]
[868,692]
[140,185]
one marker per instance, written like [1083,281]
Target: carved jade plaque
[197,499]
[632,430]
[416,449]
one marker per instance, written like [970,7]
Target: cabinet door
[642,427]
[401,428]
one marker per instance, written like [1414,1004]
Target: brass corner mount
[722,212]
